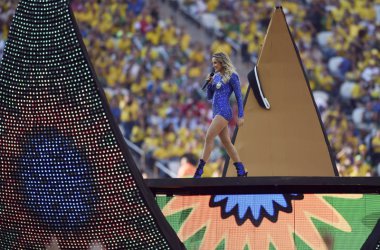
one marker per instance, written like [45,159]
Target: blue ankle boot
[199,171]
[240,169]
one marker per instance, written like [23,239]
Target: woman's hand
[240,122]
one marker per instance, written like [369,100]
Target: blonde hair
[227,65]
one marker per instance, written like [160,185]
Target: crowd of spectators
[152,70]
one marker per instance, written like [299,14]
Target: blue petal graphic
[254,207]
[57,180]
[281,201]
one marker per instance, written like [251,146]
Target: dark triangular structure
[288,139]
[373,240]
[66,172]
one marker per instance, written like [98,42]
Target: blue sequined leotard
[220,96]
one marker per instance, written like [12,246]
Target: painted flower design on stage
[254,221]
[254,207]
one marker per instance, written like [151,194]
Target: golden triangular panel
[288,139]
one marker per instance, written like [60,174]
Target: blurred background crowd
[152,68]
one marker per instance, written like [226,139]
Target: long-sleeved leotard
[220,97]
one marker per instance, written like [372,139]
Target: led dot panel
[65,171]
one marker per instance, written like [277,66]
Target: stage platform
[272,212]
[264,185]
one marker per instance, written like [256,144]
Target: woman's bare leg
[230,148]
[217,125]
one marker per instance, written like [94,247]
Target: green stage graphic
[310,221]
